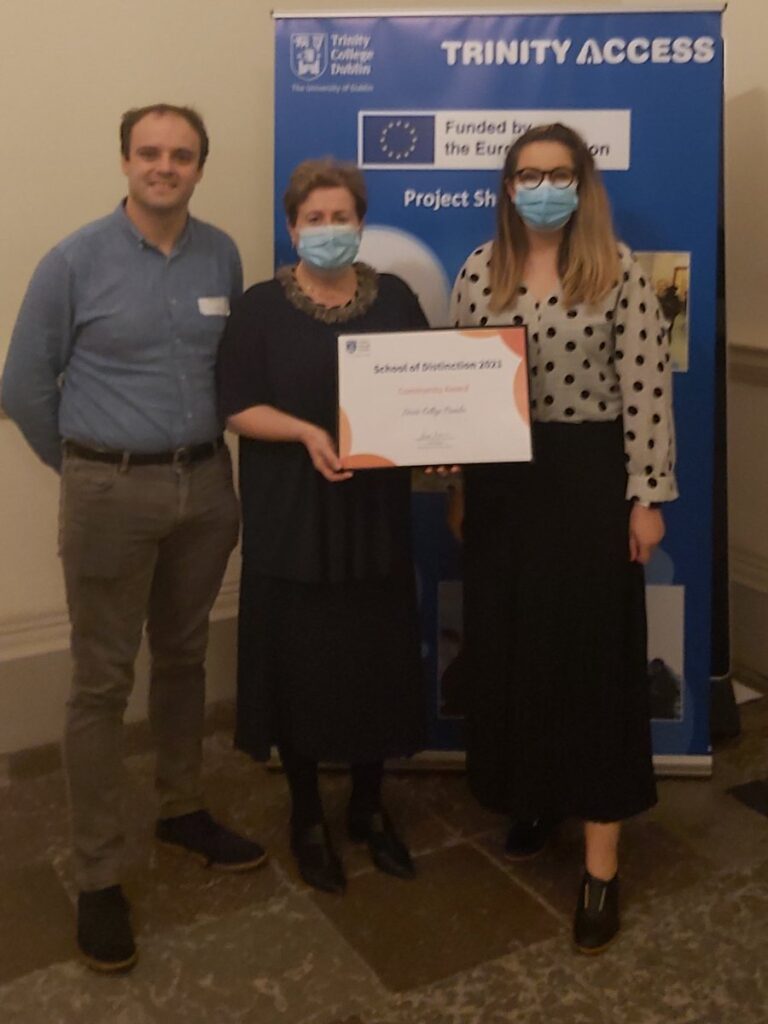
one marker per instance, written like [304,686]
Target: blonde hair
[324,173]
[588,261]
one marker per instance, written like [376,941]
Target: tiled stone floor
[473,939]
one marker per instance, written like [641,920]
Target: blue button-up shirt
[115,344]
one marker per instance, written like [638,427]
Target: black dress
[555,631]
[328,646]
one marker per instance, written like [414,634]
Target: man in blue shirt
[110,376]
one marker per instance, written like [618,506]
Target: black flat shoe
[596,923]
[318,863]
[527,839]
[388,852]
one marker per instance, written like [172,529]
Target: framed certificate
[415,398]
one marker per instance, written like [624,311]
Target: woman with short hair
[329,665]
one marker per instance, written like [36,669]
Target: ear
[509,188]
[293,232]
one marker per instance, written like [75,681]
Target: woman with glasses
[555,631]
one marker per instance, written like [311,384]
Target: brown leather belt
[179,457]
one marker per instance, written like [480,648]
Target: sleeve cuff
[652,489]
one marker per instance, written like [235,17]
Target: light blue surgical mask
[329,247]
[546,208]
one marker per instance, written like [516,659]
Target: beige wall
[67,71]
[746,202]
[746,154]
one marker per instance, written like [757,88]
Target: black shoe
[318,863]
[527,839]
[217,847]
[388,852]
[596,923]
[104,934]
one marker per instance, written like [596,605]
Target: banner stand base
[424,761]
[693,766]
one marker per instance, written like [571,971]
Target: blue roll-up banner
[427,105]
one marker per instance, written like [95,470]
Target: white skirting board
[745,694]
[34,690]
[48,633]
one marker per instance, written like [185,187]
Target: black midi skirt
[558,719]
[332,670]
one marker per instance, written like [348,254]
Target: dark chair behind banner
[724,713]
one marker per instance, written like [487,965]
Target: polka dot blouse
[593,363]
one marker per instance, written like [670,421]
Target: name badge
[213,305]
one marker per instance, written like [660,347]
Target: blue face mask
[329,247]
[546,208]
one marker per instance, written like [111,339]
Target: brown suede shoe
[213,844]
[104,933]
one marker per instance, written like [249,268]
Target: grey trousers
[140,544]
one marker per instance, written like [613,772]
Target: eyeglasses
[532,177]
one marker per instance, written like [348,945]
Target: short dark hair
[324,173]
[190,115]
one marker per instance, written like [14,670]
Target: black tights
[307,807]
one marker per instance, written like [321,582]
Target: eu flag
[398,139]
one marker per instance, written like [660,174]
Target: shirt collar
[125,224]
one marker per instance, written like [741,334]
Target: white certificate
[415,398]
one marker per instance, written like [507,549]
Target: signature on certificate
[434,439]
